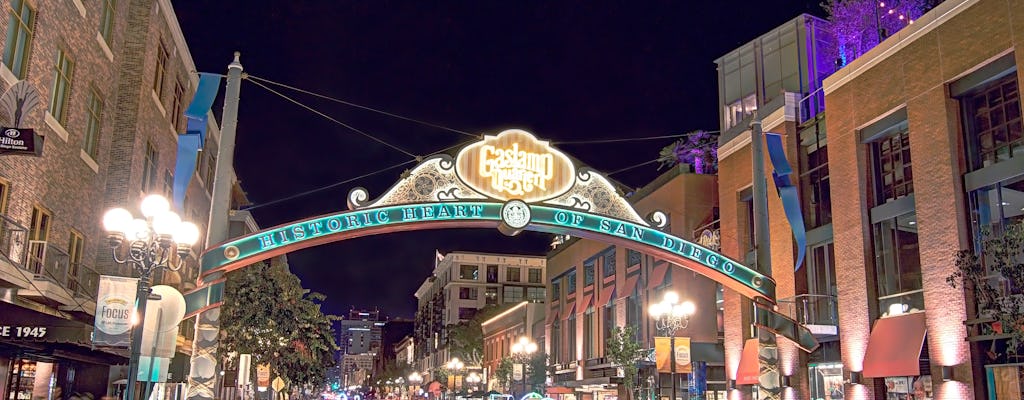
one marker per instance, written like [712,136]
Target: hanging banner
[115,304]
[22,141]
[262,376]
[663,354]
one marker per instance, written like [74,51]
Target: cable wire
[322,188]
[636,139]
[351,104]
[300,104]
[634,166]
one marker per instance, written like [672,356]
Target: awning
[552,316]
[51,335]
[894,347]
[658,275]
[630,286]
[749,370]
[607,294]
[584,302]
[557,390]
[568,309]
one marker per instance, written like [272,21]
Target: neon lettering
[515,171]
[334,224]
[298,232]
[408,214]
[266,241]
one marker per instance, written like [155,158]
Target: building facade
[594,288]
[111,80]
[463,283]
[501,332]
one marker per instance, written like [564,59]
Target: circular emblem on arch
[515,165]
[516,214]
[231,252]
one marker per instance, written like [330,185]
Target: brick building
[523,320]
[594,287]
[112,80]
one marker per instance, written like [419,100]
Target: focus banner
[115,304]
[663,354]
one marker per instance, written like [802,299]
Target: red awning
[749,370]
[658,275]
[557,390]
[584,303]
[630,286]
[607,295]
[552,316]
[568,308]
[894,347]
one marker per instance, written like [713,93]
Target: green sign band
[348,224]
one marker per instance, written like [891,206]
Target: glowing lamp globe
[117,220]
[671,297]
[154,205]
[186,234]
[688,308]
[137,229]
[166,223]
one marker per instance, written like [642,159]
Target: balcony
[13,238]
[815,311]
[49,266]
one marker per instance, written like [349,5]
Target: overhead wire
[325,187]
[632,139]
[359,106]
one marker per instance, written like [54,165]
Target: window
[149,169]
[994,207]
[160,70]
[491,296]
[570,283]
[556,342]
[93,124]
[992,122]
[556,290]
[821,280]
[177,106]
[5,196]
[467,293]
[608,320]
[211,169]
[75,250]
[891,169]
[588,272]
[533,275]
[633,257]
[466,313]
[535,294]
[63,69]
[633,312]
[107,21]
[570,343]
[19,37]
[492,273]
[589,335]
[513,294]
[168,184]
[469,272]
[512,274]
[747,225]
[608,262]
[814,184]
[898,264]
[37,235]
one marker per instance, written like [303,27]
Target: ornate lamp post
[521,352]
[148,245]
[414,381]
[455,366]
[671,316]
[473,379]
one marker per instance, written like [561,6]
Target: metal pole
[141,298]
[672,350]
[763,262]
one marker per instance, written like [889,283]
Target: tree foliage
[466,338]
[856,25]
[503,373]
[697,148]
[267,314]
[996,277]
[623,349]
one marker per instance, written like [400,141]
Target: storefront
[45,357]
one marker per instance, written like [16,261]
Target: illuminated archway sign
[512,182]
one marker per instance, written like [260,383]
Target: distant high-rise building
[360,332]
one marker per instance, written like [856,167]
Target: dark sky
[562,70]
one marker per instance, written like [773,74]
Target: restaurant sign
[20,141]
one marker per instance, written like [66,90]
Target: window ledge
[80,7]
[89,161]
[8,75]
[104,47]
[56,126]
[159,105]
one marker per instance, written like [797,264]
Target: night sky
[566,71]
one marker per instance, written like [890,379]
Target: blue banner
[190,142]
[788,193]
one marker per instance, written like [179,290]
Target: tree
[859,25]
[267,314]
[536,371]
[503,373]
[466,338]
[697,148]
[993,276]
[624,350]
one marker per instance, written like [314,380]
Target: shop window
[469,272]
[467,293]
[608,262]
[20,28]
[814,184]
[993,129]
[107,21]
[512,274]
[898,265]
[93,124]
[492,273]
[63,70]
[149,169]
[993,208]
[533,275]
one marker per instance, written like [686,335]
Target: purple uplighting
[859,25]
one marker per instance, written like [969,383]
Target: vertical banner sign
[663,355]
[517,372]
[114,304]
[262,376]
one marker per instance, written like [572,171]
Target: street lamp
[455,365]
[150,244]
[473,379]
[521,352]
[671,316]
[414,380]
